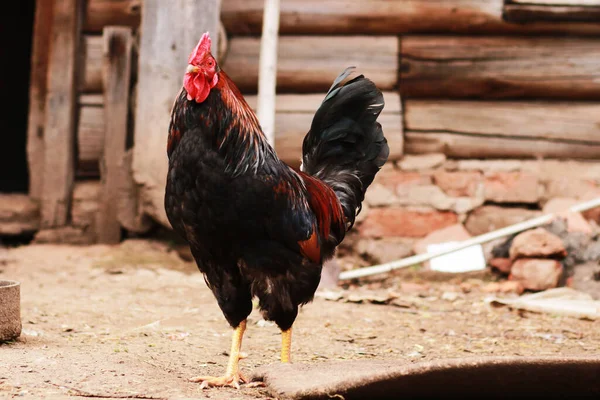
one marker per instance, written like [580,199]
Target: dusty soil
[136,321]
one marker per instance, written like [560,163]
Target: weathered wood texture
[19,214]
[42,33]
[527,13]
[101,13]
[309,64]
[117,79]
[90,135]
[293,117]
[59,136]
[129,201]
[84,214]
[500,67]
[169,31]
[503,129]
[90,79]
[387,17]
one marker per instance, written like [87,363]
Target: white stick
[267,69]
[509,230]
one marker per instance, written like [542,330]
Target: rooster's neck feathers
[242,141]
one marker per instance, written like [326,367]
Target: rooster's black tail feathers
[345,146]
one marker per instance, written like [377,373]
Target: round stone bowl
[10,310]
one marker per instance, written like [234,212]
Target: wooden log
[117,77]
[293,117]
[42,32]
[479,146]
[90,139]
[101,13]
[59,137]
[129,201]
[499,67]
[84,215]
[309,64]
[527,13]
[90,80]
[244,17]
[503,129]
[160,73]
[19,214]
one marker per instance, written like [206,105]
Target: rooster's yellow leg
[232,376]
[286,345]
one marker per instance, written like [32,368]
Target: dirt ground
[136,321]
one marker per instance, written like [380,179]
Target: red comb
[201,49]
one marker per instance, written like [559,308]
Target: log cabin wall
[481,96]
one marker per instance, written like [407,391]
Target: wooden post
[61,102]
[267,75]
[117,76]
[169,32]
[37,96]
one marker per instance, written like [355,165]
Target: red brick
[512,187]
[458,183]
[394,178]
[400,222]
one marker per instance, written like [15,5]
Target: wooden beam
[480,146]
[309,64]
[500,67]
[169,31]
[244,17]
[19,214]
[569,3]
[90,139]
[293,117]
[59,137]
[503,129]
[101,13]
[42,33]
[90,80]
[117,78]
[552,11]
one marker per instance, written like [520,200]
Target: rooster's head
[202,71]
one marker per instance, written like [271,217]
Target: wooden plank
[59,137]
[309,64]
[19,214]
[503,129]
[528,13]
[569,3]
[479,146]
[500,67]
[129,201]
[90,140]
[101,13]
[552,121]
[92,63]
[293,117]
[37,96]
[90,80]
[244,17]
[169,31]
[117,78]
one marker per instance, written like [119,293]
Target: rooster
[255,226]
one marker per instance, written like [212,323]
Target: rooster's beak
[192,69]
